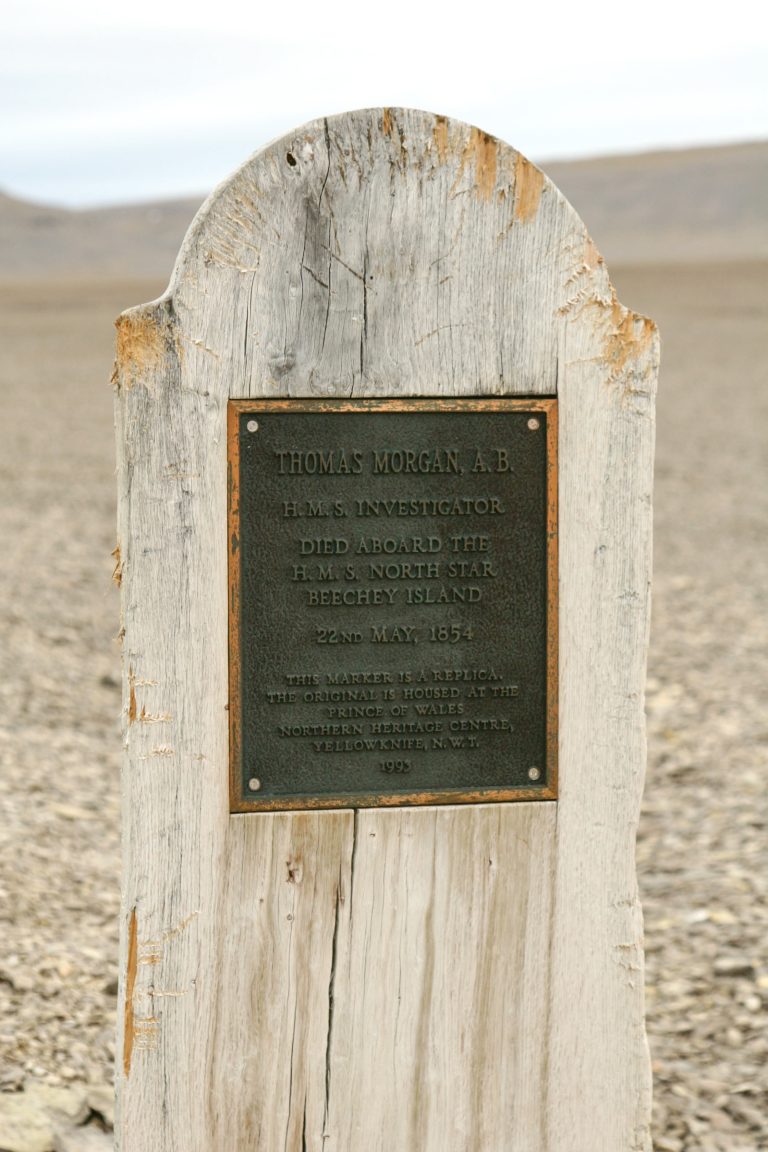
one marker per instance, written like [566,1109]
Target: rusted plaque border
[241,804]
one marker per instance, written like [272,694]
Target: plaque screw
[533,424]
[534,773]
[252,425]
[254,783]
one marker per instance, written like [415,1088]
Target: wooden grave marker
[385,455]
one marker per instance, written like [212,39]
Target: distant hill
[678,206]
[698,204]
[131,242]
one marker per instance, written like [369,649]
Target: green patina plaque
[393,617]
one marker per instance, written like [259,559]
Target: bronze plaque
[393,614]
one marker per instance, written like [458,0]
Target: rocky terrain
[703,837]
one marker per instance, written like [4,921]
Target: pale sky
[105,102]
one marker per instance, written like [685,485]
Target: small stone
[59,1102]
[101,1100]
[740,1110]
[22,982]
[734,966]
[723,916]
[72,812]
[11,1077]
[719,1120]
[88,1139]
[24,1126]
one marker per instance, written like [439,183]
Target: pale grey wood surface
[440,980]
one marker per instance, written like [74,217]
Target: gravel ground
[702,849]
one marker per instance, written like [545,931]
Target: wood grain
[435,980]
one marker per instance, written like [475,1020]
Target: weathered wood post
[383,769]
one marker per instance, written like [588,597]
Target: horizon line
[161,199]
